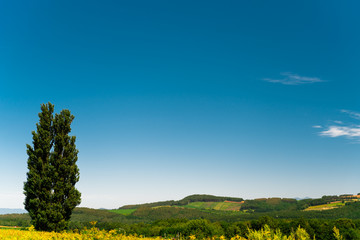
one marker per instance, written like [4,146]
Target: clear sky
[171,98]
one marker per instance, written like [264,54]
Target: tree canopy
[50,193]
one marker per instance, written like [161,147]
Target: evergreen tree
[50,193]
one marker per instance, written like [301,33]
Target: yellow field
[264,234]
[13,234]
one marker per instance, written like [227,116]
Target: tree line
[321,229]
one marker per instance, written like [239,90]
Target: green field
[123,211]
[328,206]
[224,206]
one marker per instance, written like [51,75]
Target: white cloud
[317,126]
[338,131]
[352,114]
[293,79]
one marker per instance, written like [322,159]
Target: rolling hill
[209,207]
[185,201]
[231,209]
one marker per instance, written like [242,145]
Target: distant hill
[235,209]
[11,210]
[224,206]
[209,207]
[185,201]
[210,202]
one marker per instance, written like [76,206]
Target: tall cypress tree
[50,193]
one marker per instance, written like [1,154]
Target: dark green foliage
[202,228]
[169,212]
[50,193]
[270,204]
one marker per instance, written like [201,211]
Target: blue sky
[171,98]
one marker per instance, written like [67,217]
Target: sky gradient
[171,98]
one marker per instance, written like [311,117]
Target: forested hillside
[261,205]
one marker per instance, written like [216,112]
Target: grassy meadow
[325,206]
[222,206]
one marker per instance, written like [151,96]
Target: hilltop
[210,202]
[186,201]
[237,209]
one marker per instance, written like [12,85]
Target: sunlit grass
[325,206]
[94,233]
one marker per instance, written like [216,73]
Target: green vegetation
[270,204]
[224,206]
[50,193]
[351,210]
[322,229]
[123,211]
[207,203]
[203,220]
[325,206]
[20,220]
[184,201]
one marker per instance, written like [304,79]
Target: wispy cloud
[317,126]
[340,131]
[352,114]
[293,79]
